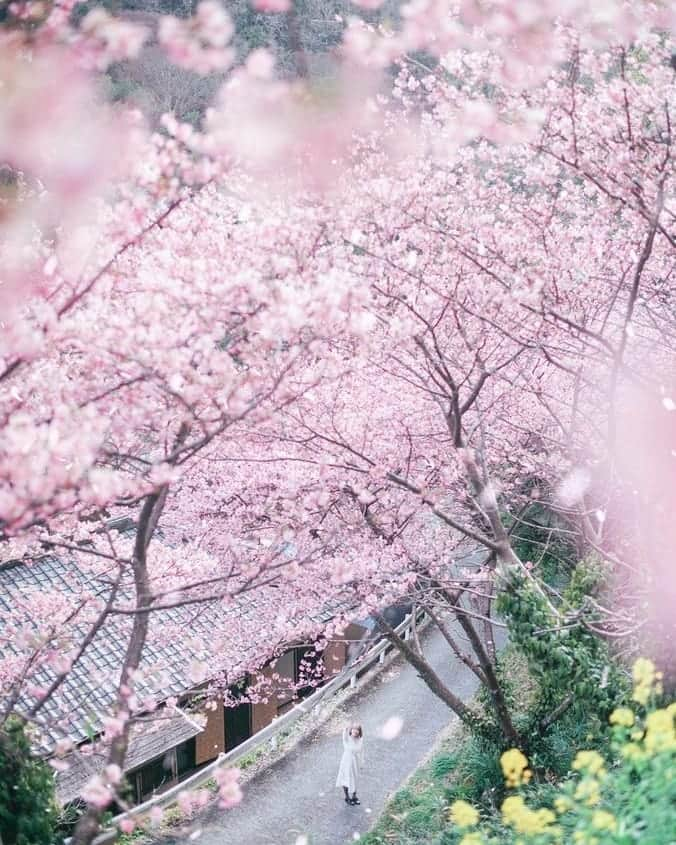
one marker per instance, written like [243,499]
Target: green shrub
[402,801]
[552,754]
[629,799]
[422,819]
[28,812]
[537,539]
[478,775]
[564,657]
[417,813]
[173,817]
[131,838]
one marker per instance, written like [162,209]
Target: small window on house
[185,757]
[285,667]
[155,775]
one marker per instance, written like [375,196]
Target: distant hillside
[305,41]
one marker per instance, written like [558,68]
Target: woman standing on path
[350,762]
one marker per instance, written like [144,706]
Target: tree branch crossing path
[296,797]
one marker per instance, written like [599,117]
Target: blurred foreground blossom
[574,486]
[199,43]
[229,790]
[271,5]
[391,728]
[110,39]
[51,173]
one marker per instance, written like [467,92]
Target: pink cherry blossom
[113,774]
[260,63]
[118,40]
[229,790]
[271,5]
[185,802]
[114,726]
[313,349]
[201,43]
[156,814]
[97,793]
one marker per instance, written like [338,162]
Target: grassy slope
[459,768]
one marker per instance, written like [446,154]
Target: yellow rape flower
[590,762]
[622,716]
[581,837]
[641,694]
[646,680]
[588,791]
[544,818]
[603,820]
[643,671]
[515,767]
[518,815]
[562,804]
[463,814]
[660,734]
[632,751]
[472,838]
[512,808]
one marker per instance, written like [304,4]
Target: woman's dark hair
[358,728]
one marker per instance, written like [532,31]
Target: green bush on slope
[27,807]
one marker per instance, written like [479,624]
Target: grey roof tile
[77,710]
[148,741]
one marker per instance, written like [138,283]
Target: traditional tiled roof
[148,741]
[88,692]
[77,710]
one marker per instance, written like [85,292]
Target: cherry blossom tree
[327,343]
[142,405]
[495,369]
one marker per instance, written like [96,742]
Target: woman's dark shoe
[348,800]
[354,799]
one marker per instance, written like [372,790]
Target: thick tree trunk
[487,609]
[470,717]
[90,823]
[493,685]
[490,679]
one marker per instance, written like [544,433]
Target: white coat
[350,762]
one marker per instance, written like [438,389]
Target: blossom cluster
[515,767]
[308,380]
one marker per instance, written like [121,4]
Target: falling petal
[391,728]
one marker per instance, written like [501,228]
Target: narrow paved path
[297,796]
